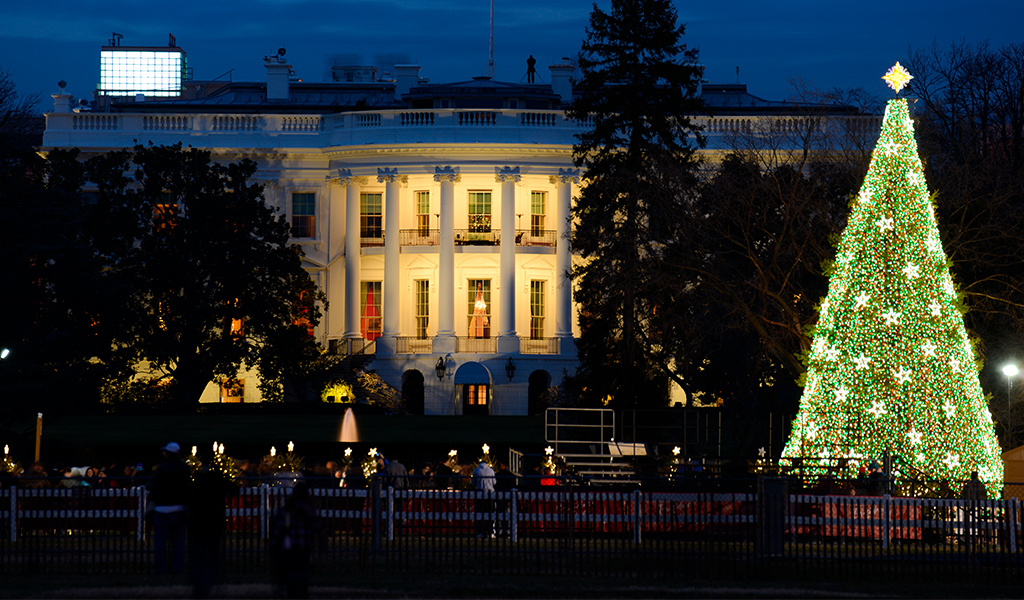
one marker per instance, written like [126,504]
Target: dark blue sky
[831,44]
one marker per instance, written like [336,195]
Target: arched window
[412,391]
[474,383]
[539,383]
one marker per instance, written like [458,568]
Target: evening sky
[828,43]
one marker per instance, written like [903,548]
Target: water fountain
[349,432]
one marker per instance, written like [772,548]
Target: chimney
[561,76]
[406,78]
[277,76]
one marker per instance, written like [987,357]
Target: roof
[251,97]
[733,98]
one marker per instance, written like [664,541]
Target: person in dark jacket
[444,478]
[169,495]
[294,533]
[206,519]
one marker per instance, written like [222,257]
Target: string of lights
[891,367]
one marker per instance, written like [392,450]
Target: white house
[435,217]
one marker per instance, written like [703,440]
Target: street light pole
[1010,371]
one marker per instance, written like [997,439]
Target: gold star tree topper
[897,77]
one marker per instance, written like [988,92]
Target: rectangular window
[475,394]
[479,308]
[370,324]
[422,308]
[232,390]
[165,214]
[423,213]
[538,208]
[480,212]
[536,309]
[371,219]
[303,214]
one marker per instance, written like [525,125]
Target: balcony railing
[536,237]
[372,242]
[402,126]
[538,346]
[413,345]
[419,237]
[476,345]
[470,237]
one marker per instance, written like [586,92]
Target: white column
[444,342]
[392,287]
[508,341]
[563,260]
[353,252]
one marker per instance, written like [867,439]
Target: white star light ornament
[935,308]
[955,365]
[831,354]
[949,408]
[897,77]
[885,224]
[902,375]
[889,148]
[862,301]
[862,362]
[929,348]
[912,271]
[842,393]
[915,436]
[877,408]
[891,317]
[952,460]
[864,196]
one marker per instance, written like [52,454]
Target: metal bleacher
[585,439]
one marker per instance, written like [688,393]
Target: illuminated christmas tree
[891,368]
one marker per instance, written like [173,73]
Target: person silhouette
[531,69]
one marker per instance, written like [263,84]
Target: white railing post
[264,510]
[514,516]
[140,525]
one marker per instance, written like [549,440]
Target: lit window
[422,308]
[536,309]
[165,214]
[479,308]
[303,214]
[371,220]
[232,390]
[480,212]
[538,208]
[423,213]
[370,324]
[475,394]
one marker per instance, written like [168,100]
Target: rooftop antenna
[171,40]
[490,50]
[115,39]
[737,74]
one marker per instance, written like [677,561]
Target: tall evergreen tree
[639,86]
[891,368]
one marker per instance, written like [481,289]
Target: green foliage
[203,269]
[639,85]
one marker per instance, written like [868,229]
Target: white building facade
[436,218]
